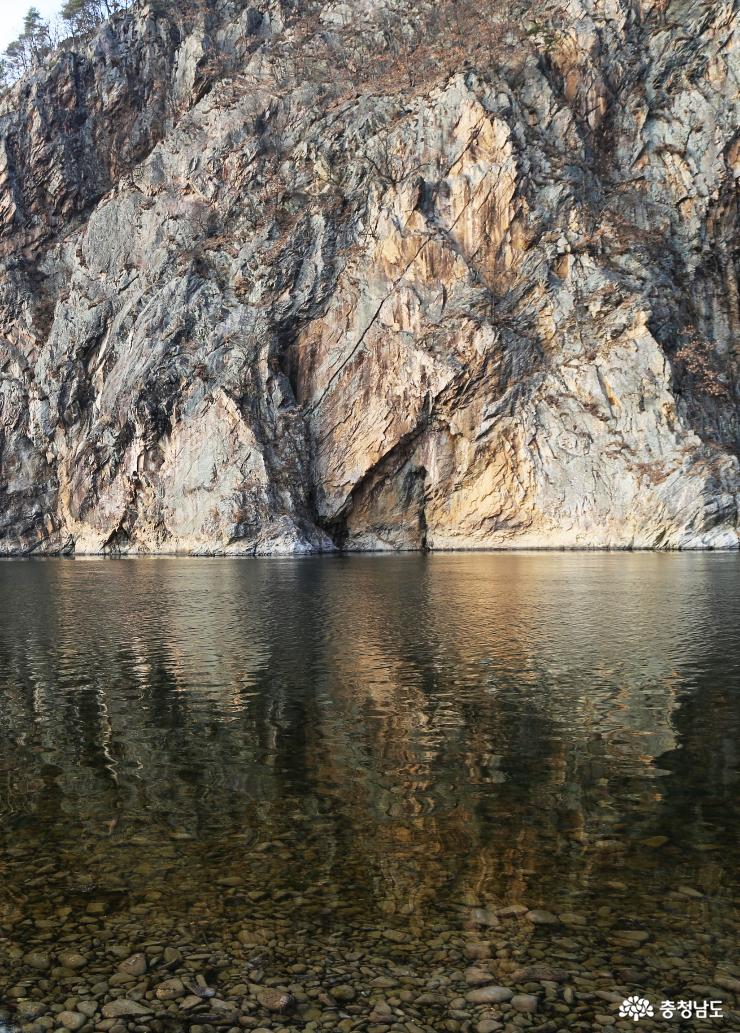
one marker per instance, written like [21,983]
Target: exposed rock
[251,302]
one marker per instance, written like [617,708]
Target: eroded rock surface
[279,278]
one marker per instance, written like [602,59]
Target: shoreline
[375,553]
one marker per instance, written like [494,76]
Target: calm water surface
[335,770]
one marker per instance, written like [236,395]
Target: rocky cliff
[280,277]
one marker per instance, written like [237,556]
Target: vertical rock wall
[249,305]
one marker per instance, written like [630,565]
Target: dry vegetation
[404,50]
[697,360]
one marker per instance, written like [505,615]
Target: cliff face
[282,279]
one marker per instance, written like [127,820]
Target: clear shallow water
[270,764]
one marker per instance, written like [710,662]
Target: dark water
[321,751]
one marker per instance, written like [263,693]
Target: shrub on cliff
[39,37]
[33,43]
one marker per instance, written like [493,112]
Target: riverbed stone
[572,918]
[475,976]
[538,974]
[30,1010]
[38,960]
[274,1000]
[512,911]
[525,1003]
[541,917]
[484,916]
[136,965]
[489,995]
[72,1020]
[72,959]
[124,1008]
[631,935]
[170,989]
[343,992]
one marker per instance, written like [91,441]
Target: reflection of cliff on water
[523,696]
[413,729]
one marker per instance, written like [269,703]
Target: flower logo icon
[636,1008]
